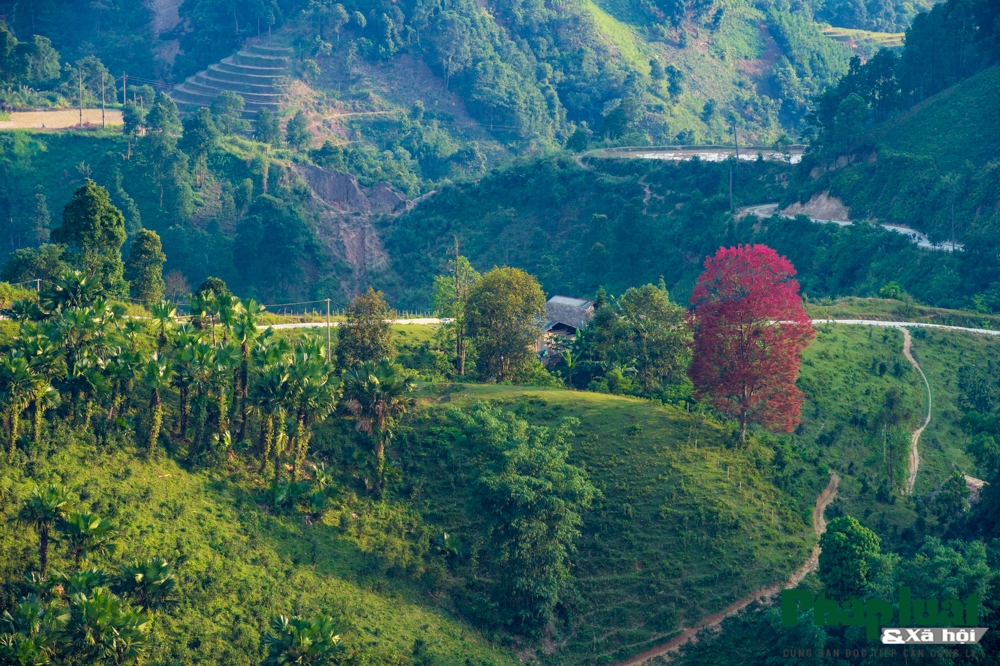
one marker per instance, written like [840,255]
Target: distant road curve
[921,239]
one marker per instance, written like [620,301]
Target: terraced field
[259,74]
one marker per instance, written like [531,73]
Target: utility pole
[38,285]
[103,123]
[952,226]
[329,348]
[124,89]
[80,72]
[732,211]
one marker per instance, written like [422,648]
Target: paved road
[769,210]
[903,324]
[322,324]
[704,153]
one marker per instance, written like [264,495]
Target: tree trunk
[743,427]
[223,424]
[266,440]
[38,420]
[43,548]
[301,444]
[88,409]
[380,461]
[154,427]
[277,460]
[12,420]
[184,411]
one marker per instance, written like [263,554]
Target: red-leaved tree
[750,330]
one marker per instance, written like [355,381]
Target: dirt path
[914,453]
[714,620]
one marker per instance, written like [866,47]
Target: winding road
[914,453]
[715,619]
[921,239]
[819,523]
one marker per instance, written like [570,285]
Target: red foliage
[750,330]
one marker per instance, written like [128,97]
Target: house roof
[574,312]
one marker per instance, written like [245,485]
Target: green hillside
[237,562]
[687,524]
[952,128]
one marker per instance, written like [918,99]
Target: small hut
[565,317]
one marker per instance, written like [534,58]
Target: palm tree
[33,629]
[226,363]
[182,373]
[226,307]
[85,534]
[376,395]
[100,630]
[17,387]
[121,368]
[42,511]
[164,313]
[156,375]
[45,360]
[312,394]
[270,395]
[245,333]
[297,640]
[202,367]
[149,584]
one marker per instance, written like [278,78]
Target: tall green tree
[366,333]
[505,314]
[643,330]
[848,551]
[451,294]
[266,127]
[297,131]
[144,267]
[94,231]
[227,111]
[531,500]
[199,139]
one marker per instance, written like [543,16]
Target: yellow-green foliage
[238,564]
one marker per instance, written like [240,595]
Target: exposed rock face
[344,219]
[338,190]
[823,207]
[342,192]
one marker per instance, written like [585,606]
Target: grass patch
[855,38]
[956,126]
[617,35]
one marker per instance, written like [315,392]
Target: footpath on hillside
[714,620]
[914,454]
